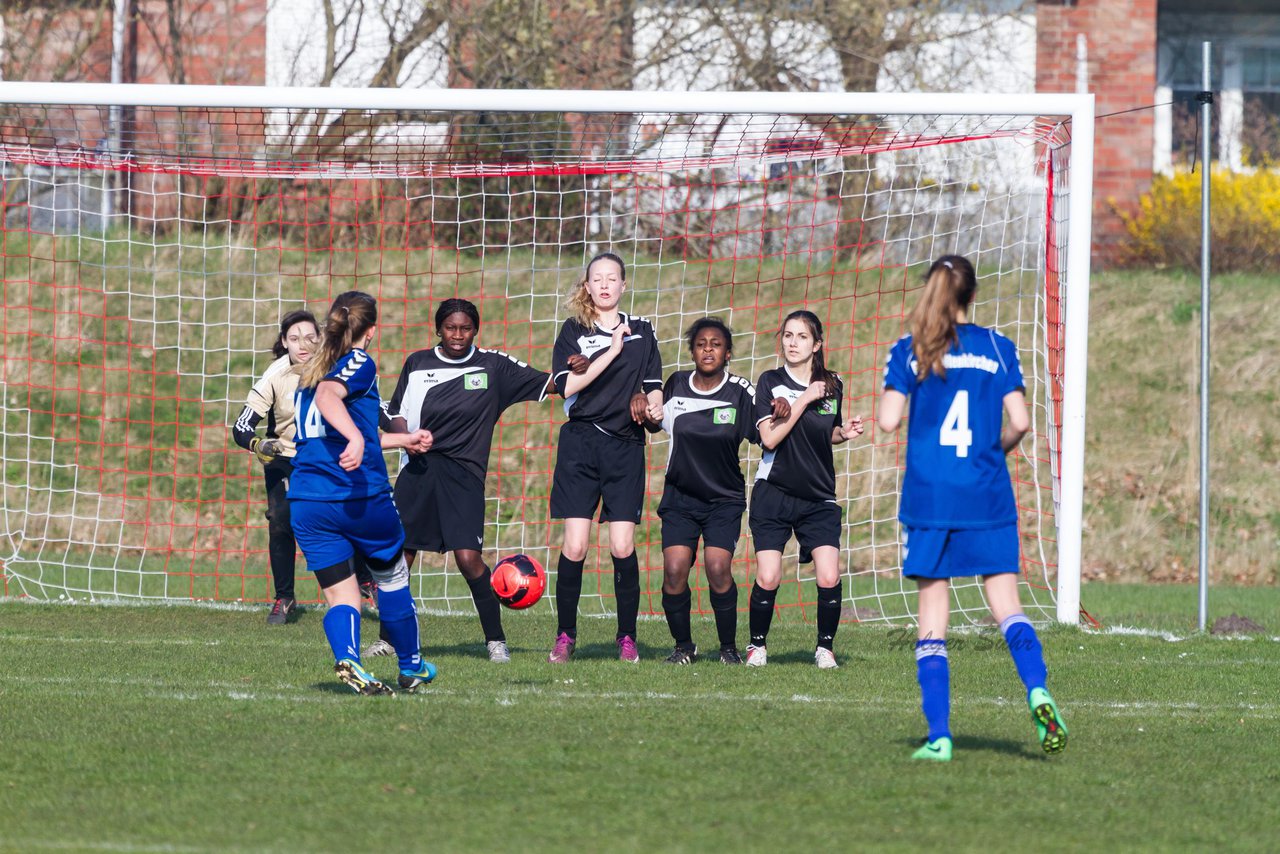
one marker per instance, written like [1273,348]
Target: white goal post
[893,123]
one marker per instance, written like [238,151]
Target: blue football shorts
[956,553]
[330,532]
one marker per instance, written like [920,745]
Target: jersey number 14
[310,424]
[955,432]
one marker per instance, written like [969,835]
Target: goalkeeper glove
[265,450]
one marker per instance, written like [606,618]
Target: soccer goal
[153,236]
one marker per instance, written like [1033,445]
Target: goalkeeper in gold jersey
[272,398]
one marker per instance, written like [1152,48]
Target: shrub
[1244,221]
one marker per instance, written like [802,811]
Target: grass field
[191,729]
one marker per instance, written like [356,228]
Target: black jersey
[460,401]
[606,403]
[707,429]
[803,464]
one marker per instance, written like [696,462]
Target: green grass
[1142,434]
[190,729]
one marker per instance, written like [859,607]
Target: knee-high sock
[760,613]
[342,628]
[828,614]
[568,591]
[676,606]
[626,591]
[487,606]
[1024,647]
[934,676]
[725,607]
[400,620]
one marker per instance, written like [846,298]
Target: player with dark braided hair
[458,392]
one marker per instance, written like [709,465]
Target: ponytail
[818,366]
[579,302]
[350,318]
[949,287]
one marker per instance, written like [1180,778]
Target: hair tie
[947,264]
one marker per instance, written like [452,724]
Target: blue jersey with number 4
[316,473]
[956,474]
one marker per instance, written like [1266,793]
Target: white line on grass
[513,695]
[113,641]
[98,845]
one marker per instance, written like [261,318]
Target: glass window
[1255,68]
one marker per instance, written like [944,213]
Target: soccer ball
[518,581]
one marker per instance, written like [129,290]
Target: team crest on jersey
[474,382]
[729,415]
[828,407]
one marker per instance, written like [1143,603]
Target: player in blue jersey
[795,488]
[341,498]
[458,391]
[600,454]
[708,412]
[957,508]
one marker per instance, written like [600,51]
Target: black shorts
[775,515]
[685,519]
[592,465]
[441,504]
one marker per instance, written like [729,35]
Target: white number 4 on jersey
[955,432]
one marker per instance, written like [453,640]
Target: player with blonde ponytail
[957,508]
[341,497]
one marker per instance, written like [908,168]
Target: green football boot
[1050,727]
[939,750]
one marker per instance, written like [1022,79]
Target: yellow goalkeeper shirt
[272,398]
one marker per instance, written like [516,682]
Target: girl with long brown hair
[795,488]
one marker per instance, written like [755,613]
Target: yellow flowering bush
[1244,221]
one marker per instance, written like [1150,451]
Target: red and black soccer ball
[518,581]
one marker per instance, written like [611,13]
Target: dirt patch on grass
[1236,625]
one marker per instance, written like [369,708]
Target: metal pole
[119,14]
[1206,116]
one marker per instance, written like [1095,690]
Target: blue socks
[1024,647]
[400,619]
[342,628]
[934,676]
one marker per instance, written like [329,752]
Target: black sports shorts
[775,515]
[591,465]
[686,519]
[441,504]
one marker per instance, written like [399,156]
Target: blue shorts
[330,532]
[954,553]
